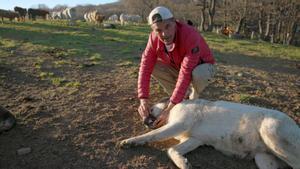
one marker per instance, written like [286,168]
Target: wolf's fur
[268,136]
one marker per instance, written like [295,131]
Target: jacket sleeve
[190,61]
[148,61]
[206,54]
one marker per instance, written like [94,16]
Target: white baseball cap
[159,14]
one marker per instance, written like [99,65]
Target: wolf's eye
[151,110]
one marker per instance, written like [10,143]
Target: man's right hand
[144,109]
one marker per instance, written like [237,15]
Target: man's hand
[144,108]
[163,118]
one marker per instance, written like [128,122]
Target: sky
[10,4]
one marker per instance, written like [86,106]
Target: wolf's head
[155,112]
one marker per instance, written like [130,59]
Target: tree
[211,12]
[241,8]
[140,7]
[202,4]
[41,6]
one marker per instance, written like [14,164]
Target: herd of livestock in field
[95,17]
[70,14]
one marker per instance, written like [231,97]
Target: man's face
[165,30]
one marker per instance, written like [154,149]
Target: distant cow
[9,14]
[22,12]
[70,15]
[99,18]
[125,18]
[33,13]
[85,16]
[88,17]
[94,17]
[56,15]
[113,18]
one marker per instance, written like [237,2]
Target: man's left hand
[162,119]
[164,116]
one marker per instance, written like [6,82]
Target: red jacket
[190,50]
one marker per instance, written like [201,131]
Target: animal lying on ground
[269,136]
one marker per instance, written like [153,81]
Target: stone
[23,151]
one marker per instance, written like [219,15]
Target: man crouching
[177,56]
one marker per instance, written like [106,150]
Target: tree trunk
[211,13]
[225,13]
[278,31]
[240,24]
[267,32]
[202,22]
[202,14]
[291,35]
[210,23]
[273,34]
[260,29]
[252,35]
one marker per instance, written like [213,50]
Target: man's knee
[203,73]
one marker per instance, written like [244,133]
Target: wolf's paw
[125,144]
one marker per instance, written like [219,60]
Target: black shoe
[7,120]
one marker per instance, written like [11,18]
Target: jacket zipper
[170,57]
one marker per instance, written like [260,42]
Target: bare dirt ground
[78,127]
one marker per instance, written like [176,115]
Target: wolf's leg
[162,133]
[267,161]
[176,153]
[282,137]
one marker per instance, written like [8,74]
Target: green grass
[44,75]
[73,84]
[122,44]
[57,81]
[82,40]
[256,48]
[244,98]
[125,64]
[8,44]
[96,57]
[61,63]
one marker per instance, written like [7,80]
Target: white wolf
[269,136]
